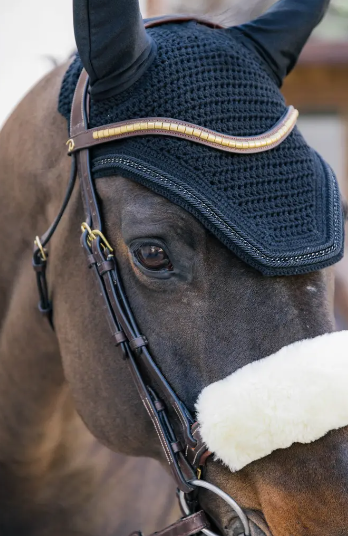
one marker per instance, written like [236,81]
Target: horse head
[225,252]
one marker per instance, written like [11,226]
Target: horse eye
[153,258]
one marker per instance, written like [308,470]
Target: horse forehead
[140,212]
[140,208]
[137,206]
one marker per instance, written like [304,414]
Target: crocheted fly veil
[217,137]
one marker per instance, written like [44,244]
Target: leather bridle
[186,455]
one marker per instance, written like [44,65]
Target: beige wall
[326,134]
[32,34]
[231,11]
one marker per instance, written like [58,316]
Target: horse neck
[34,402]
[45,449]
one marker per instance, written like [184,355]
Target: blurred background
[36,35]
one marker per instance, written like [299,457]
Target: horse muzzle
[296,395]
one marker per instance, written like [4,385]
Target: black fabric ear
[279,35]
[113,44]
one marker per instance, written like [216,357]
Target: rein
[186,455]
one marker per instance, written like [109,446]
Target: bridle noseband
[185,455]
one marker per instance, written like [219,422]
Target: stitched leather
[182,473]
[123,325]
[278,134]
[184,527]
[187,526]
[120,319]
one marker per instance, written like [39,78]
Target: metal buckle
[71,144]
[43,253]
[92,235]
[227,498]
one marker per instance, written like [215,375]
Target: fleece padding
[297,394]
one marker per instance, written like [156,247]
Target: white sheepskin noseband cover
[295,395]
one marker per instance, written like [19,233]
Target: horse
[243,346]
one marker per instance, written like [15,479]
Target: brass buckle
[71,144]
[92,235]
[43,253]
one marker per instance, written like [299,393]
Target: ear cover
[295,395]
[280,210]
[113,45]
[279,35]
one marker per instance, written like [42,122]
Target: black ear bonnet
[279,210]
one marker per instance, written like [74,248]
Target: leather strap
[120,318]
[186,527]
[78,124]
[181,18]
[39,260]
[183,455]
[186,454]
[122,324]
[162,126]
[198,454]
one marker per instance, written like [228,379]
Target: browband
[181,129]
